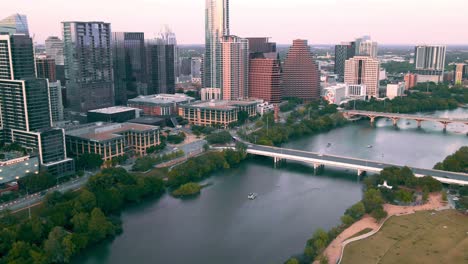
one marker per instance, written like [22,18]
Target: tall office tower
[459,70]
[430,62]
[88,65]
[16,57]
[25,107]
[301,77]
[216,26]
[343,52]
[54,49]
[160,67]
[264,71]
[363,70]
[170,38]
[129,63]
[14,24]
[45,67]
[185,66]
[195,67]
[235,68]
[56,101]
[366,47]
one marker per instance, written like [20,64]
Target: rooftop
[162,99]
[222,104]
[114,110]
[18,168]
[106,131]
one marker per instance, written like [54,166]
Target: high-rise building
[129,64]
[16,57]
[430,62]
[160,67]
[185,66]
[264,71]
[88,65]
[56,101]
[45,67]
[54,49]
[14,24]
[301,78]
[195,67]
[25,107]
[459,72]
[235,68]
[363,70]
[216,26]
[170,38]
[343,52]
[366,47]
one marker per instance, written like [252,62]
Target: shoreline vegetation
[68,223]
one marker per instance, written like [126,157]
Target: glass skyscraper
[161,68]
[88,65]
[216,26]
[14,24]
[129,63]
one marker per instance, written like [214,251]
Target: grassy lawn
[417,238]
[158,172]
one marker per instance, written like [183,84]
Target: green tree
[80,222]
[89,161]
[58,246]
[292,261]
[372,200]
[99,227]
[347,220]
[356,211]
[379,214]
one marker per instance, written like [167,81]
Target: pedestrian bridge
[395,117]
[360,165]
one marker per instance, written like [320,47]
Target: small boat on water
[329,145]
[369,146]
[408,123]
[252,196]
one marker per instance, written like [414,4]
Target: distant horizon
[388,22]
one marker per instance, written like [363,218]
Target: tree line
[70,222]
[457,162]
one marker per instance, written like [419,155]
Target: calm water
[223,226]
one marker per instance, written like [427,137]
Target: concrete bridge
[395,117]
[319,160]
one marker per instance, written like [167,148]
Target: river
[223,226]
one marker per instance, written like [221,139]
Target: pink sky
[319,21]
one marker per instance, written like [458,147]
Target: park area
[423,237]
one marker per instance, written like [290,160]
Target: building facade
[343,52]
[88,65]
[430,62]
[45,68]
[129,65]
[216,26]
[363,70]
[217,113]
[366,47]
[235,68]
[459,73]
[410,80]
[160,67]
[208,94]
[56,101]
[395,90]
[54,49]
[114,114]
[111,140]
[301,78]
[265,80]
[160,104]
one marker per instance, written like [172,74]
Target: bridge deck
[352,163]
[405,116]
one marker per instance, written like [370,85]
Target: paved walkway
[333,251]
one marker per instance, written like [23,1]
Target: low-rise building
[335,94]
[217,113]
[15,165]
[410,80]
[111,140]
[160,104]
[265,107]
[117,114]
[208,94]
[395,90]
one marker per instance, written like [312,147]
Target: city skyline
[335,21]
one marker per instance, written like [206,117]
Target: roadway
[351,163]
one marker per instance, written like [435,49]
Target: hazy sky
[319,21]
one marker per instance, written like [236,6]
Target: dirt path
[333,251]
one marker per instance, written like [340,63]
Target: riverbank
[335,249]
